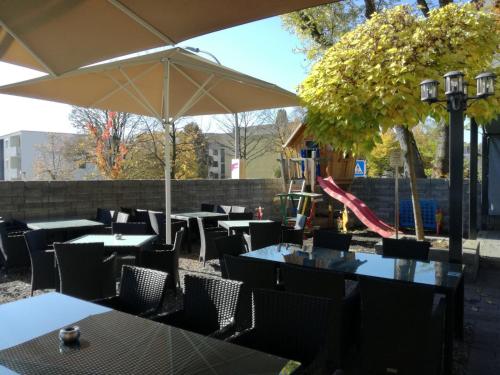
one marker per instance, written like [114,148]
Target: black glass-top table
[442,277]
[112,342]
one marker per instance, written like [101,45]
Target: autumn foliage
[110,150]
[369,80]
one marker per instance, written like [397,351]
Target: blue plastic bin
[428,208]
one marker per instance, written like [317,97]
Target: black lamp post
[456,99]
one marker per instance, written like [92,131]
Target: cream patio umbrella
[165,85]
[57,36]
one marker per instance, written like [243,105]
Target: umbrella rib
[195,97]
[139,92]
[117,4]
[22,43]
[111,93]
[153,112]
[211,96]
[230,74]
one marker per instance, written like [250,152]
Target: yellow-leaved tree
[368,81]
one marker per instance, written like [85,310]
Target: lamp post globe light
[456,99]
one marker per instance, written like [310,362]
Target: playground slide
[358,207]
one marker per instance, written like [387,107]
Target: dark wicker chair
[401,330]
[13,251]
[122,217]
[223,209]
[207,207]
[232,245]
[264,234]
[129,228]
[105,216]
[210,305]
[131,213]
[294,326]
[166,258]
[291,235]
[254,273]
[240,216]
[406,249]
[43,264]
[84,272]
[207,244]
[141,292]
[327,284]
[331,239]
[142,216]
[157,221]
[238,209]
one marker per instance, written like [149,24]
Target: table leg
[449,333]
[459,309]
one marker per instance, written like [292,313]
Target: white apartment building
[218,168]
[20,151]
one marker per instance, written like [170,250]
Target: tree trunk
[405,140]
[442,158]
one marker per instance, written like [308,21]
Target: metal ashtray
[69,335]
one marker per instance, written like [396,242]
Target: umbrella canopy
[166,85]
[136,85]
[57,36]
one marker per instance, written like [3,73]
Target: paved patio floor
[482,316]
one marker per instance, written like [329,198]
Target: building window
[215,152]
[222,155]
[215,164]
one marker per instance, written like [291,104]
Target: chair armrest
[162,247]
[111,258]
[175,318]
[248,241]
[112,302]
[247,338]
[225,332]
[149,314]
[109,275]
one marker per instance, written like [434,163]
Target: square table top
[440,275]
[63,224]
[112,342]
[109,240]
[231,224]
[197,214]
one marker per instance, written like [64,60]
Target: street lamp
[197,50]
[456,99]
[485,84]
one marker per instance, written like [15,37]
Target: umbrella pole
[166,122]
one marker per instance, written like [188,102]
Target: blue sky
[262,49]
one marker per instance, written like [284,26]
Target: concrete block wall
[378,194]
[33,200]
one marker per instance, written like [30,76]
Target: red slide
[358,207]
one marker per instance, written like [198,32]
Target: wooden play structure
[304,166]
[302,161]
